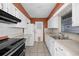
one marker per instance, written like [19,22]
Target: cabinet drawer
[59,54]
[60,50]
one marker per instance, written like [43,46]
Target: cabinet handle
[61,49]
[56,49]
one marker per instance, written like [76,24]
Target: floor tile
[39,49]
[33,54]
[41,54]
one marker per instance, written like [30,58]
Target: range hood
[7,18]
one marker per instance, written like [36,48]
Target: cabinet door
[5,7]
[58,50]
[48,42]
[11,9]
[61,50]
[46,39]
[51,46]
[29,40]
[18,14]
[75,14]
[0,5]
[48,23]
[30,34]
[53,22]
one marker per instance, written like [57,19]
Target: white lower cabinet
[55,48]
[46,40]
[29,40]
[60,50]
[50,44]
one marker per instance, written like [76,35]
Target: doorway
[39,31]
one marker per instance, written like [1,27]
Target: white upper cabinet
[5,7]
[0,5]
[11,9]
[53,22]
[75,14]
[17,13]
[48,23]
[23,23]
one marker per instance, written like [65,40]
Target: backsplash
[10,32]
[52,30]
[72,36]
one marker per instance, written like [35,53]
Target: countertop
[70,45]
[24,36]
[3,37]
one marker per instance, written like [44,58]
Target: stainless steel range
[12,47]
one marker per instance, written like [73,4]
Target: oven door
[15,49]
[18,51]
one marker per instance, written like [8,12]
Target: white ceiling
[38,10]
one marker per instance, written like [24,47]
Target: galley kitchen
[39,29]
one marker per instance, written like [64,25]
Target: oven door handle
[15,50]
[15,47]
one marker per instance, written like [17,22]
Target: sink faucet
[64,36]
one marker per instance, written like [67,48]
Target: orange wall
[44,20]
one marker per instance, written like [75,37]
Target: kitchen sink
[58,37]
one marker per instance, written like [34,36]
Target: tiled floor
[39,49]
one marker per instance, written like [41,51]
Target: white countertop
[24,36]
[70,45]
